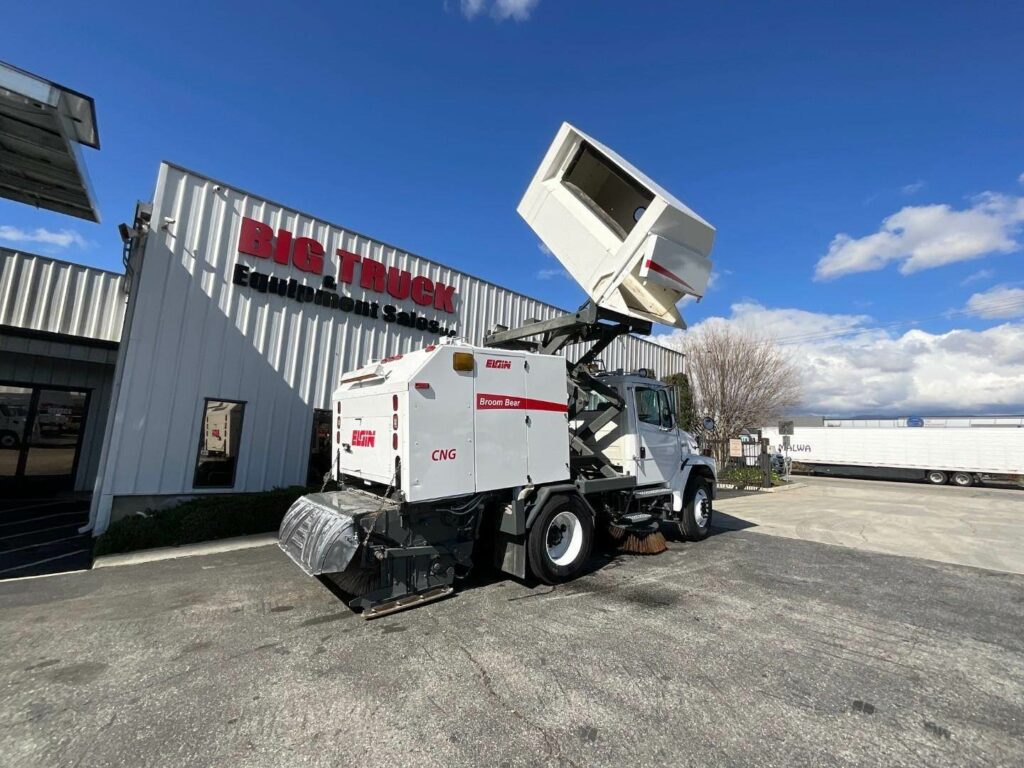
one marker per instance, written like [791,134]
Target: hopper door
[500,416]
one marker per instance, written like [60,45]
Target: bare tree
[740,379]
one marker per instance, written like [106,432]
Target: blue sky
[420,123]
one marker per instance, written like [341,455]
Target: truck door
[658,452]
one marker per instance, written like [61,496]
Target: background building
[239,316]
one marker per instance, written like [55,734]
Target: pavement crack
[550,746]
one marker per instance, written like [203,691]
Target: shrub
[742,476]
[202,519]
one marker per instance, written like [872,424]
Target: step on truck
[522,451]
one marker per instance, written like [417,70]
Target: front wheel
[560,541]
[935,477]
[695,524]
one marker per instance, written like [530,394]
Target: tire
[963,479]
[9,440]
[695,524]
[560,540]
[935,477]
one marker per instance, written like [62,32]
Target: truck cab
[644,440]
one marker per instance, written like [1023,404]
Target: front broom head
[638,539]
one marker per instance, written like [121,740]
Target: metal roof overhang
[42,126]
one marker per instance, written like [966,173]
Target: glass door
[40,434]
[56,434]
[15,405]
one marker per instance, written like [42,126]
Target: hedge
[745,476]
[201,519]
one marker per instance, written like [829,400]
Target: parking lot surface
[981,526]
[745,649]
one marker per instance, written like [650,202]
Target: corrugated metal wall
[43,294]
[193,334]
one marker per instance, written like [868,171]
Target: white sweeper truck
[521,451]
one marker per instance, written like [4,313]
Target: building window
[319,447]
[220,435]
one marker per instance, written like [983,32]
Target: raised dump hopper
[632,246]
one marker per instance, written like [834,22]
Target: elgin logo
[443,454]
[363,438]
[492,363]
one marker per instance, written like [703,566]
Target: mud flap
[320,532]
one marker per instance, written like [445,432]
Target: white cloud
[977,277]
[926,236]
[61,239]
[1021,178]
[861,368]
[544,249]
[1002,301]
[547,274]
[500,9]
[913,188]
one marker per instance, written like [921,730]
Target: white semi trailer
[962,455]
[512,451]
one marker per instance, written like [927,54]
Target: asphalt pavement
[745,649]
[980,526]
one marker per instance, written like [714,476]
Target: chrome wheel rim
[701,508]
[564,538]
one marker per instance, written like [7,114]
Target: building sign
[327,296]
[307,255]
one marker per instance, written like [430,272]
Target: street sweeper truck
[522,450]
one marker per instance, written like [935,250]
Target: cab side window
[648,406]
[666,409]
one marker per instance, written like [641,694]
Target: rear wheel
[560,541]
[695,524]
[935,477]
[9,439]
[963,479]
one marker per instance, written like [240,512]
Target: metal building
[60,324]
[242,315]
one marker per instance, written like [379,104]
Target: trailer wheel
[963,479]
[560,540]
[935,477]
[695,524]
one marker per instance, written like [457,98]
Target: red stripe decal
[661,270]
[508,402]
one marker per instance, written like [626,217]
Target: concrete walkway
[979,527]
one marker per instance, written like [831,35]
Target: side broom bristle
[638,542]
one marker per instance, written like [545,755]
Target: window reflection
[53,444]
[219,438]
[14,406]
